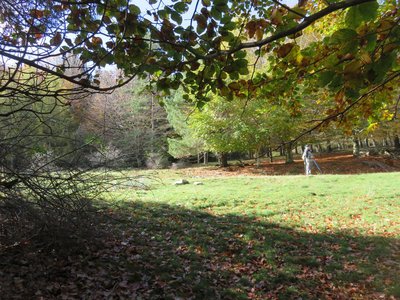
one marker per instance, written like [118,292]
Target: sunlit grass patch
[283,236]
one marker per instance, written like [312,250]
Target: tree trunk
[257,156]
[152,124]
[396,142]
[329,147]
[289,154]
[205,157]
[356,147]
[223,159]
[271,155]
[282,150]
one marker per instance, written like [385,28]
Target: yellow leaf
[298,10]
[276,17]
[259,34]
[372,126]
[366,58]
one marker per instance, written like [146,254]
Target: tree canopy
[349,47]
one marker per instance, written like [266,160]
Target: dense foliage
[354,51]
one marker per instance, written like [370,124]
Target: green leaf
[234,75]
[209,71]
[162,13]
[134,9]
[343,35]
[244,71]
[230,26]
[337,83]
[200,104]
[325,78]
[226,19]
[151,69]
[241,64]
[361,13]
[371,42]
[112,28]
[176,17]
[382,66]
[240,54]
[180,7]
[346,39]
[216,13]
[352,93]
[228,36]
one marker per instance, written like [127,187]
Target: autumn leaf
[251,28]
[96,41]
[57,39]
[276,16]
[259,34]
[284,50]
[36,13]
[352,67]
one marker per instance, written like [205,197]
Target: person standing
[308,159]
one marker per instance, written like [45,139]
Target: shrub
[157,160]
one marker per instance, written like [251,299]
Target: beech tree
[208,53]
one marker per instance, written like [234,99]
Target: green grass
[277,237]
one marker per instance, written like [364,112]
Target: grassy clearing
[234,237]
[282,237]
[366,204]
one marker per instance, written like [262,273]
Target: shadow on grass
[164,252]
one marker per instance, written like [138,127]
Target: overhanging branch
[307,22]
[346,110]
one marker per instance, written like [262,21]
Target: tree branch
[344,111]
[288,8]
[307,22]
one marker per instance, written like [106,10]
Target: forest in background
[133,127]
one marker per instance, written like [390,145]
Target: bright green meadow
[264,237]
